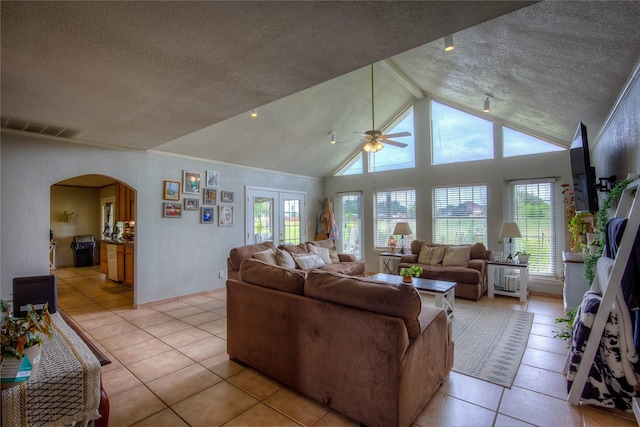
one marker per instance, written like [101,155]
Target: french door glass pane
[352,224]
[263,219]
[291,212]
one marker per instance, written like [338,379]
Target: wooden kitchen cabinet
[120,250]
[104,265]
[125,203]
[128,265]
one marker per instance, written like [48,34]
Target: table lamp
[509,231]
[402,228]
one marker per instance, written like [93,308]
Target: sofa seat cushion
[272,276]
[450,274]
[398,300]
[354,268]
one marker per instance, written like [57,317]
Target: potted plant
[523,257]
[408,273]
[21,336]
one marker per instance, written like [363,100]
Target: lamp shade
[402,228]
[510,229]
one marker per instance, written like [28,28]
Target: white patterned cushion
[308,261]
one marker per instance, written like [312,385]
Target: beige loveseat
[333,261]
[367,349]
[464,264]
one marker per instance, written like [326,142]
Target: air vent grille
[36,127]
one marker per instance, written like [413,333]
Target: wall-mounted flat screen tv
[584,175]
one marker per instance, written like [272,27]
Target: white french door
[275,216]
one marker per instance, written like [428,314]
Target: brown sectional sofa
[342,263]
[470,277]
[367,349]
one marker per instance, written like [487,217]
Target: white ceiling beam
[402,78]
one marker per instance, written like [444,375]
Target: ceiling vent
[39,128]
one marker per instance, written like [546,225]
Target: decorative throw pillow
[333,253]
[285,259]
[266,256]
[431,255]
[308,262]
[457,255]
[321,252]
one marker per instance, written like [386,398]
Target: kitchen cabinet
[120,258]
[128,265]
[104,265]
[125,203]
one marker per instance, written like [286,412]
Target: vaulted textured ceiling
[182,76]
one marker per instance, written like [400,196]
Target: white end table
[389,262]
[494,266]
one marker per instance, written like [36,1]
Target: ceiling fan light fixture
[448,43]
[487,106]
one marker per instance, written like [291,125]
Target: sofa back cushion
[478,251]
[400,300]
[295,249]
[236,255]
[275,277]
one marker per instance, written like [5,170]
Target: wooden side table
[495,266]
[389,262]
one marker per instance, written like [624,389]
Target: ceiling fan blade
[395,143]
[396,135]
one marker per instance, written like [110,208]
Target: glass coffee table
[443,291]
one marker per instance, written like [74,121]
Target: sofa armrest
[346,257]
[410,258]
[481,266]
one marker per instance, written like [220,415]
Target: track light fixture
[448,43]
[487,106]
[333,137]
[254,113]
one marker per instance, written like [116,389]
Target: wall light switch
[221,274]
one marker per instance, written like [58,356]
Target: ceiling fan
[374,139]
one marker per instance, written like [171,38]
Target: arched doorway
[102,209]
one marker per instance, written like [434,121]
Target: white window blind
[533,210]
[390,208]
[460,214]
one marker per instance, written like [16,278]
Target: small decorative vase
[407,279]
[523,259]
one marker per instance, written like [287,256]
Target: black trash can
[83,250]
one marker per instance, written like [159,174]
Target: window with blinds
[460,214]
[533,211]
[351,221]
[390,208]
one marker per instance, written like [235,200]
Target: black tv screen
[584,175]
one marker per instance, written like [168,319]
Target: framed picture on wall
[171,190]
[226,196]
[225,216]
[213,179]
[172,210]
[206,215]
[209,196]
[191,204]
[190,182]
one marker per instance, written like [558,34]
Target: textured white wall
[173,256]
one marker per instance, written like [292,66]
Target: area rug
[489,341]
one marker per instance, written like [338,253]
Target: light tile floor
[170,368]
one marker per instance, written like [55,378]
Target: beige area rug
[489,341]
